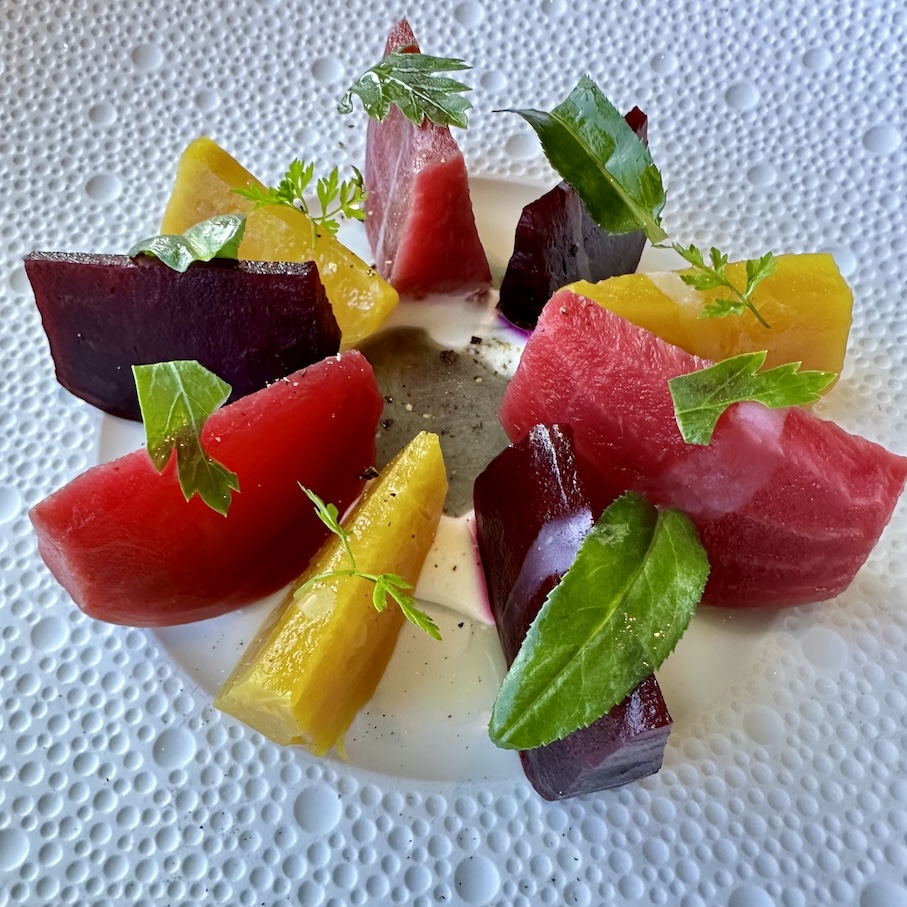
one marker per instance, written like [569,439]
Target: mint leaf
[408,81]
[593,148]
[176,398]
[612,620]
[217,237]
[702,396]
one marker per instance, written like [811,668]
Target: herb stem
[748,303]
[714,275]
[385,583]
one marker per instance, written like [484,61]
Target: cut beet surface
[420,222]
[532,512]
[249,322]
[129,549]
[557,242]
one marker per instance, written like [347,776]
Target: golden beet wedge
[807,303]
[318,658]
[205,178]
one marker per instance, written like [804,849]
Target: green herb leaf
[702,396]
[721,308]
[386,584]
[613,619]
[591,146]
[217,237]
[714,275]
[408,80]
[175,399]
[336,198]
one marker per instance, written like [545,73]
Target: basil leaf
[408,80]
[701,397]
[176,398]
[593,148]
[217,237]
[613,619]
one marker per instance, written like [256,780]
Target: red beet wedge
[532,512]
[249,322]
[419,219]
[558,242]
[129,549]
[788,506]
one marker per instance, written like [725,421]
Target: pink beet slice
[129,549]
[249,322]
[532,512]
[419,219]
[788,506]
[557,242]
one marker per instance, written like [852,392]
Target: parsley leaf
[613,619]
[702,396]
[408,80]
[593,148]
[217,237]
[347,197]
[714,274]
[176,398]
[385,584]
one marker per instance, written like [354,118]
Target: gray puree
[429,388]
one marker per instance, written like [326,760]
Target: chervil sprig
[408,81]
[337,198]
[714,274]
[385,584]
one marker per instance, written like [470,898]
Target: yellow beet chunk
[360,297]
[807,303]
[318,659]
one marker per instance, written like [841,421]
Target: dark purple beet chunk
[625,745]
[250,322]
[532,512]
[558,242]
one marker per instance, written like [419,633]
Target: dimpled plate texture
[782,126]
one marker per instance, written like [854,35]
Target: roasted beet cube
[532,512]
[249,322]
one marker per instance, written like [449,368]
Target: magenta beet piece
[250,322]
[419,217]
[558,242]
[532,512]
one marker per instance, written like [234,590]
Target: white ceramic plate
[784,776]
